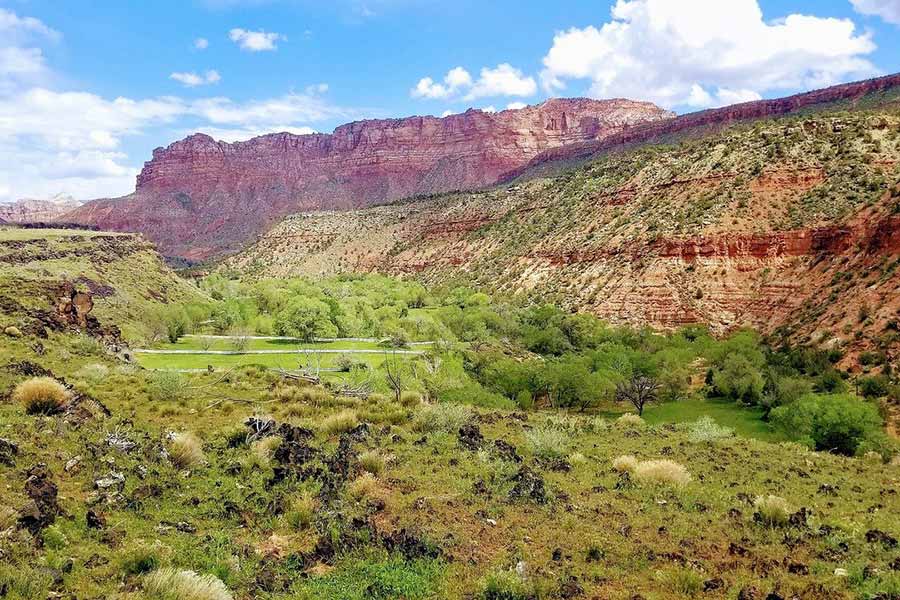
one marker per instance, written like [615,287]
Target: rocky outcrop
[708,121]
[31,210]
[199,198]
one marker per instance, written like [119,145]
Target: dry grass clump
[630,420]
[340,422]
[13,331]
[185,451]
[264,449]
[302,510]
[41,395]
[547,442]
[445,416]
[172,584]
[371,462]
[410,399]
[364,486]
[665,472]
[625,464]
[577,459]
[772,511]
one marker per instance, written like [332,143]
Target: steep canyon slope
[200,198]
[790,225]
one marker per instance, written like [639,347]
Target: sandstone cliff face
[790,226]
[708,121]
[199,197]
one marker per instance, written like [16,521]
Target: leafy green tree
[837,423]
[307,319]
[739,378]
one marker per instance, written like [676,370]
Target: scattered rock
[120,442]
[570,588]
[839,572]
[8,452]
[876,536]
[528,486]
[95,520]
[72,464]
[111,480]
[711,585]
[409,545]
[750,593]
[507,451]
[470,437]
[42,508]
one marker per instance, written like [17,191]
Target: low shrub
[547,442]
[772,511]
[504,585]
[185,451]
[410,399]
[630,421]
[13,331]
[172,584]
[41,395]
[264,449]
[443,416]
[705,429]
[167,386]
[665,472]
[140,559]
[340,422]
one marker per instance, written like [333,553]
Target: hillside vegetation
[751,226]
[506,462]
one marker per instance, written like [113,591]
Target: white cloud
[290,108]
[191,79]
[503,80]
[21,60]
[318,88]
[489,109]
[516,106]
[889,10]
[705,53]
[201,43]
[447,113]
[255,41]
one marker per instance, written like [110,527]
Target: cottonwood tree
[639,390]
[393,374]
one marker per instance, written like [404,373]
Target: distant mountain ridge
[199,198]
[28,210]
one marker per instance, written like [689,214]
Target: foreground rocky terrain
[200,198]
[790,225]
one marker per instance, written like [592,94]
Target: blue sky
[88,89]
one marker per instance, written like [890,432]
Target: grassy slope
[125,274]
[645,539]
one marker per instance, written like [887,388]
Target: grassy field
[746,421]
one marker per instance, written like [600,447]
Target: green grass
[745,421]
[375,577]
[194,343]
[17,234]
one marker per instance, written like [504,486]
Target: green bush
[836,423]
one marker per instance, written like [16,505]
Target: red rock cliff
[199,198]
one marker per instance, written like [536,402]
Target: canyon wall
[199,198]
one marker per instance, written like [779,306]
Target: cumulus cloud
[255,41]
[201,43]
[889,10]
[22,60]
[191,79]
[503,80]
[317,88]
[516,106]
[703,53]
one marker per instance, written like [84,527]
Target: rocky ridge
[200,198]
